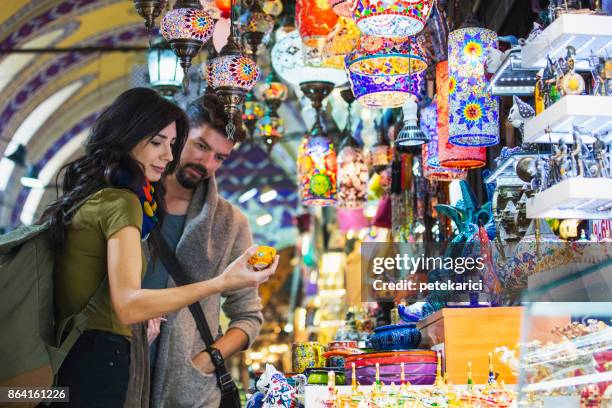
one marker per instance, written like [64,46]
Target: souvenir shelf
[585,33]
[511,78]
[593,114]
[576,197]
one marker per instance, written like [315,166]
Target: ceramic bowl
[396,337]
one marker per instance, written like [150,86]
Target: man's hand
[204,363]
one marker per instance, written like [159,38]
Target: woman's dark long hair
[137,114]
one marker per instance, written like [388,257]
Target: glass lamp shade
[253,111]
[254,20]
[457,157]
[273,7]
[165,73]
[317,170]
[340,41]
[352,178]
[342,8]
[187,24]
[392,18]
[314,20]
[287,61]
[224,6]
[269,126]
[236,71]
[431,164]
[474,112]
[386,56]
[271,90]
[385,91]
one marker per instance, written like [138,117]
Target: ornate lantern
[352,167]
[457,157]
[254,25]
[340,41]
[232,75]
[187,27]
[474,112]
[431,164]
[385,56]
[165,74]
[270,127]
[150,10]
[288,63]
[317,168]
[253,111]
[392,18]
[314,19]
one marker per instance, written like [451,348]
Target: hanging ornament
[340,41]
[317,166]
[392,18]
[254,25]
[314,20]
[458,157]
[270,127]
[352,167]
[343,8]
[187,27]
[150,10]
[232,75]
[431,164]
[474,112]
[253,111]
[385,56]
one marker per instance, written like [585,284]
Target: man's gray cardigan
[215,234]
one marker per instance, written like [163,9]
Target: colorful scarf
[149,207]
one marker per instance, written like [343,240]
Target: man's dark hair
[208,110]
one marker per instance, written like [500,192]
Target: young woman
[110,203]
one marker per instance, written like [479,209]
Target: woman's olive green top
[79,270]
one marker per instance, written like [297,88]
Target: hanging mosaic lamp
[352,167]
[150,10]
[317,166]
[386,56]
[287,61]
[273,7]
[224,6]
[340,41]
[343,8]
[392,18]
[187,27]
[270,128]
[385,91]
[380,154]
[457,157]
[431,164]
[474,112]
[232,75]
[314,20]
[411,134]
[254,25]
[253,111]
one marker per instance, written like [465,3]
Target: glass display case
[572,368]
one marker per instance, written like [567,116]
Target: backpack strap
[79,323]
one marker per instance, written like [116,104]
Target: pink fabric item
[351,219]
[383,214]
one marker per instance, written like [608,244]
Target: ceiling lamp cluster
[270,127]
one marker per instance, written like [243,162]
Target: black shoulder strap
[168,258]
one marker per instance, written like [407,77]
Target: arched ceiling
[50,99]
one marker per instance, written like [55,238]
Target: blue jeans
[96,371]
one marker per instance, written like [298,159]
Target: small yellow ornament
[263,257]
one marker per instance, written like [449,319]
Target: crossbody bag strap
[168,258]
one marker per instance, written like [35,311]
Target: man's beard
[188,181]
